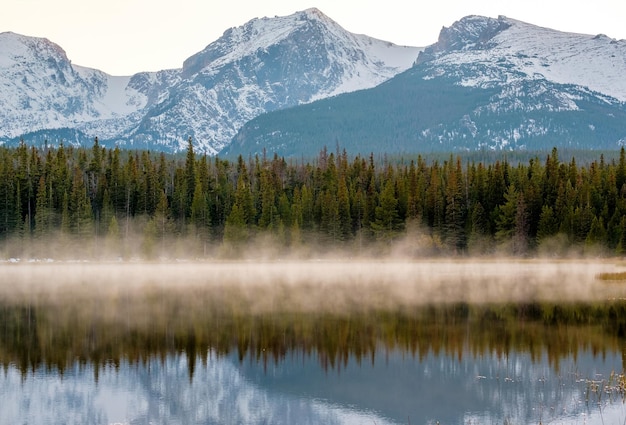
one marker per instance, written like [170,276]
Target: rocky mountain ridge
[487,83]
[264,65]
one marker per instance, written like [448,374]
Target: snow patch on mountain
[508,50]
[116,98]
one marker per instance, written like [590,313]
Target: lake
[313,342]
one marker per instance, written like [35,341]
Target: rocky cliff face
[470,33]
[485,84]
[264,65]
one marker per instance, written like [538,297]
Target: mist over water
[312,286]
[252,339]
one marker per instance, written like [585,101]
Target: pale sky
[123,37]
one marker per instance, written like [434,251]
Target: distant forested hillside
[100,202]
[413,113]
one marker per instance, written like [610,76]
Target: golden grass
[617,276]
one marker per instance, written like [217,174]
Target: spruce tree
[386,223]
[548,223]
[343,211]
[506,215]
[235,229]
[42,212]
[190,176]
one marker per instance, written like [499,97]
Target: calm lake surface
[448,342]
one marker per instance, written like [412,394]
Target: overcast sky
[122,37]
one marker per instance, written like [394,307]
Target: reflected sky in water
[395,388]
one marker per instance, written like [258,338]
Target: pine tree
[200,219]
[162,220]
[284,209]
[113,229]
[308,216]
[269,213]
[434,208]
[386,224]
[149,239]
[61,178]
[520,232]
[81,215]
[620,249]
[94,176]
[343,211]
[548,223]
[42,212]
[190,176]
[597,233]
[506,215]
[243,197]
[107,211]
[112,238]
[455,211]
[295,231]
[371,200]
[479,239]
[235,230]
[65,215]
[8,208]
[18,214]
[620,178]
[583,219]
[24,177]
[329,220]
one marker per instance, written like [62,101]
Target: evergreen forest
[98,202]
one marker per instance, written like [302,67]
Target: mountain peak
[241,41]
[469,33]
[314,12]
[308,27]
[267,64]
[14,45]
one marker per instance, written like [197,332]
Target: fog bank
[314,285]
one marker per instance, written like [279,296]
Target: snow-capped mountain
[264,65]
[513,51]
[548,86]
[486,84]
[42,89]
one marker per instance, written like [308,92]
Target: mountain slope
[42,89]
[486,84]
[265,65]
[524,51]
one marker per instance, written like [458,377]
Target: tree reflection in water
[274,330]
[54,336]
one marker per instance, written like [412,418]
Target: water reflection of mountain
[395,389]
[160,392]
[496,388]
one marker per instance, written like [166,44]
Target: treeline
[98,200]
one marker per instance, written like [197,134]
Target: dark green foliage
[387,221]
[235,231]
[86,194]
